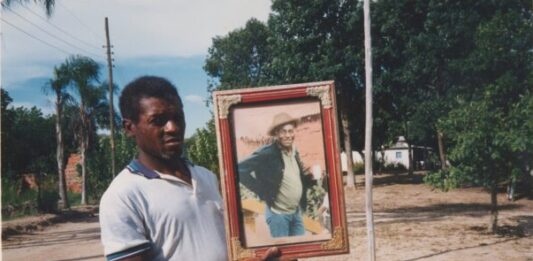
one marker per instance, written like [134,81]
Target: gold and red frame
[324,92]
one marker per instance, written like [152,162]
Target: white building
[395,154]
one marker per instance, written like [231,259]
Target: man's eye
[159,121]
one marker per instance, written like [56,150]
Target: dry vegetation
[414,222]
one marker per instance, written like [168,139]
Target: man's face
[285,135]
[159,132]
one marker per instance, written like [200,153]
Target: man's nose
[171,126]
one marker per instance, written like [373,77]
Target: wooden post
[111,109]
[368,134]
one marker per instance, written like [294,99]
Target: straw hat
[279,120]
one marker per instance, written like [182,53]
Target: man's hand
[271,254]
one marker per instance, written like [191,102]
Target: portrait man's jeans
[283,225]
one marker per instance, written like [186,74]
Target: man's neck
[287,150]
[175,166]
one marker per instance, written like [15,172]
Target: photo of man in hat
[275,173]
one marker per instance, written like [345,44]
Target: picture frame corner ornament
[322,92]
[240,252]
[336,241]
[225,102]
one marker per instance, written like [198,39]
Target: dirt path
[412,223]
[73,240]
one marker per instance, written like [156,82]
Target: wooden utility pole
[368,135]
[111,108]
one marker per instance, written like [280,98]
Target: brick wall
[71,173]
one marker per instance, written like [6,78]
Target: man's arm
[122,229]
[245,168]
[137,257]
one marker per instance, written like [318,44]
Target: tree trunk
[409,150]
[63,196]
[494,207]
[410,155]
[350,177]
[368,134]
[83,152]
[382,160]
[442,155]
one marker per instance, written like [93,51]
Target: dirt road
[412,222]
[74,240]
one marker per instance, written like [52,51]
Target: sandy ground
[412,222]
[77,238]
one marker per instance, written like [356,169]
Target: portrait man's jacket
[262,173]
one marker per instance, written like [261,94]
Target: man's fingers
[272,254]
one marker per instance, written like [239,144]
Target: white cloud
[45,109]
[137,28]
[195,99]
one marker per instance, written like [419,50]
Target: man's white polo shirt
[143,210]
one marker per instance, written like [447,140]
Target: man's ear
[129,127]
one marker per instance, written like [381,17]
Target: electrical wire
[34,37]
[61,30]
[79,21]
[55,37]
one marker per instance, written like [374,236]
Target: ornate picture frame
[279,159]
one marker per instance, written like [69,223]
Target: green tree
[100,164]
[240,59]
[489,126]
[323,40]
[58,85]
[26,146]
[47,4]
[7,117]
[302,42]
[202,147]
[421,47]
[83,74]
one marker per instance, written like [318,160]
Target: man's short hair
[145,87]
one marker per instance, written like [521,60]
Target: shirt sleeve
[122,227]
[248,166]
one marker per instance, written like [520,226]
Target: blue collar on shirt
[138,168]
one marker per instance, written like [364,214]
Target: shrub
[444,179]
[315,196]
[394,167]
[358,168]
[18,202]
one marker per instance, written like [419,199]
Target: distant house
[399,154]
[396,154]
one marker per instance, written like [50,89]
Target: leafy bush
[394,167]
[445,179]
[358,168]
[315,196]
[17,202]
[74,199]
[99,164]
[202,147]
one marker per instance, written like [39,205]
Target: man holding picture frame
[161,206]
[275,173]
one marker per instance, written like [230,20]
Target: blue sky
[163,38]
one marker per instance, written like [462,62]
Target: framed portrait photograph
[280,170]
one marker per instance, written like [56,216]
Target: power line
[77,19]
[30,35]
[48,33]
[61,30]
